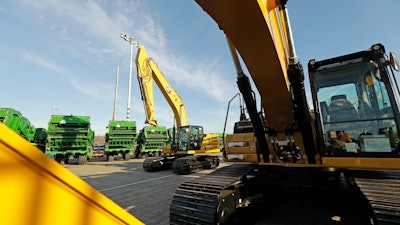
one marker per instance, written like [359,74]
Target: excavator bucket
[35,189]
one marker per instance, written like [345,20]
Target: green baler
[10,117]
[151,140]
[121,138]
[13,119]
[69,136]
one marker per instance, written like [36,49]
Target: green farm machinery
[121,138]
[13,119]
[69,136]
[151,140]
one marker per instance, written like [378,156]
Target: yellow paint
[262,48]
[362,163]
[147,72]
[36,190]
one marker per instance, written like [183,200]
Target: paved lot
[146,195]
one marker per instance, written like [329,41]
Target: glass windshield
[190,138]
[355,110]
[183,138]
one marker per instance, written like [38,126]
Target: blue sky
[61,57]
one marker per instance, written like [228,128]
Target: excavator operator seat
[341,109]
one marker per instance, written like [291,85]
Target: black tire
[66,160]
[110,158]
[60,159]
[82,159]
[126,156]
[216,163]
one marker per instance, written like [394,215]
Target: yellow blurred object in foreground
[36,190]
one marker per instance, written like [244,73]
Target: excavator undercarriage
[181,164]
[264,194]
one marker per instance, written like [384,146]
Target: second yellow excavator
[189,148]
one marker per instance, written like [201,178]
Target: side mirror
[394,62]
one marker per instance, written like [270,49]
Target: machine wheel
[226,207]
[110,158]
[215,162]
[60,159]
[82,159]
[135,154]
[208,162]
[126,156]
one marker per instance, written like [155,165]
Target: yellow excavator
[327,166]
[338,163]
[189,148]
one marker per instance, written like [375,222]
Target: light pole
[132,41]
[115,95]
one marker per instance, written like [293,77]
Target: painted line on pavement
[139,182]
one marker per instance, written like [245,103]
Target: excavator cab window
[190,138]
[355,101]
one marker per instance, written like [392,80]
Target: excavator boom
[147,71]
[263,48]
[145,78]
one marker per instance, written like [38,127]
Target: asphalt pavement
[146,195]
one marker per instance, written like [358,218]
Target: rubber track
[186,165]
[384,197]
[194,163]
[151,164]
[196,200]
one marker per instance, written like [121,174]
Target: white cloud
[99,23]
[44,63]
[198,76]
[92,88]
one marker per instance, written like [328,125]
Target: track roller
[210,199]
[195,163]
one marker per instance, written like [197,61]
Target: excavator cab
[356,104]
[190,137]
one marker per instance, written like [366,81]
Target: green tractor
[69,136]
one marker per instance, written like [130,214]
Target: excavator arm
[148,71]
[275,70]
[266,62]
[145,78]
